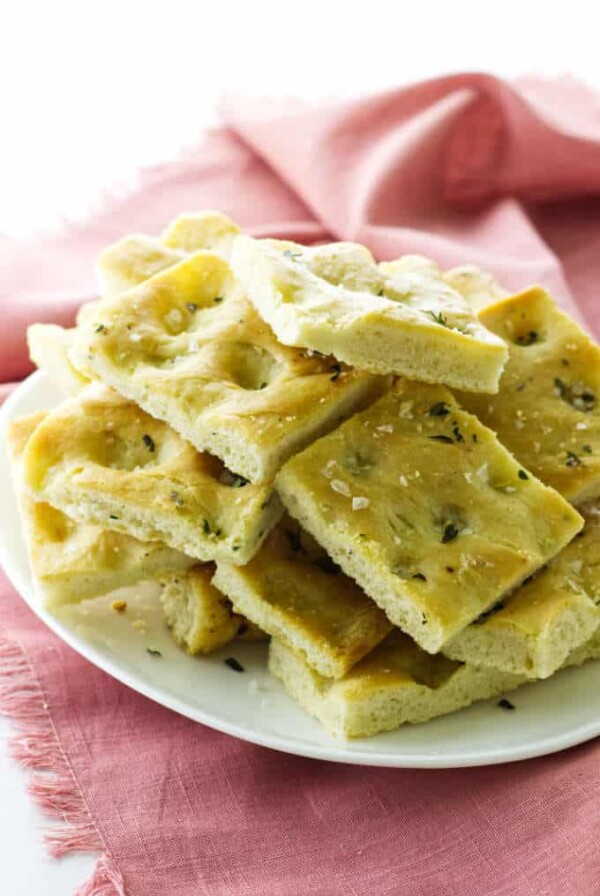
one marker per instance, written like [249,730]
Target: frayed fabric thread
[52,785]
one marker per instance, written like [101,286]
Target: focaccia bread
[547,411]
[398,317]
[395,684]
[71,561]
[478,287]
[294,592]
[534,630]
[190,350]
[200,617]
[48,349]
[421,505]
[102,460]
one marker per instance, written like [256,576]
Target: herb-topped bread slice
[534,630]
[398,317]
[200,617]
[419,502]
[71,561]
[292,590]
[190,350]
[102,460]
[547,411]
[395,684]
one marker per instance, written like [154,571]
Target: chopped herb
[291,254]
[381,292]
[327,565]
[527,338]
[175,496]
[439,318]
[450,533]
[579,397]
[113,517]
[506,704]
[450,569]
[149,443]
[475,437]
[520,387]
[295,540]
[263,385]
[100,328]
[523,475]
[219,532]
[153,652]
[336,368]
[239,482]
[217,299]
[573,460]
[420,577]
[445,439]
[206,527]
[235,547]
[233,664]
[456,431]
[587,449]
[440,409]
[191,307]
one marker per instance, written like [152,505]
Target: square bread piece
[200,617]
[71,561]
[190,350]
[293,591]
[533,631]
[421,505]
[102,460]
[396,683]
[547,411]
[48,349]
[397,317]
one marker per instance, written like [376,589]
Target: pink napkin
[466,169]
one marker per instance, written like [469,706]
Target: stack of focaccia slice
[389,471]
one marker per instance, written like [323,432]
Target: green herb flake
[450,533]
[528,338]
[445,439]
[587,449]
[420,576]
[239,482]
[233,664]
[217,299]
[149,443]
[336,369]
[456,432]
[176,497]
[439,318]
[289,253]
[506,704]
[113,517]
[206,527]
[440,409]
[100,329]
[263,385]
[523,475]
[153,652]
[573,460]
[579,397]
[475,437]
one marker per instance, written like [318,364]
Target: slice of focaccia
[398,317]
[547,411]
[102,460]
[200,617]
[419,502]
[395,684]
[534,630]
[292,590]
[190,350]
[71,561]
[48,349]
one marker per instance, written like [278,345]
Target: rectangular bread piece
[103,461]
[71,561]
[535,629]
[547,411]
[191,350]
[399,317]
[421,505]
[293,591]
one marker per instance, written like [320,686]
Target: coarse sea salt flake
[359,503]
[341,488]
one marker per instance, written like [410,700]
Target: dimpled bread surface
[191,350]
[420,504]
[547,411]
[102,460]
[200,617]
[536,628]
[72,561]
[397,317]
[294,592]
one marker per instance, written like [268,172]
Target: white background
[89,92]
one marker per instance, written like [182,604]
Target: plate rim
[386,758]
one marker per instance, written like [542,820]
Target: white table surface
[86,101]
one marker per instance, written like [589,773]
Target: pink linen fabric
[464,168]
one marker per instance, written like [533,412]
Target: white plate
[549,716]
